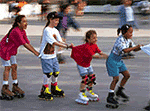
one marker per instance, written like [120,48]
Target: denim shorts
[85,70]
[115,65]
[9,62]
[50,65]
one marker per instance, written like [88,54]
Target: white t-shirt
[48,37]
[129,14]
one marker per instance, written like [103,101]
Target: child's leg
[120,92]
[125,78]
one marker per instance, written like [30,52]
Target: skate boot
[6,93]
[120,95]
[91,96]
[45,94]
[82,99]
[56,91]
[111,102]
[17,91]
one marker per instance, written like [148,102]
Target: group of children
[82,55]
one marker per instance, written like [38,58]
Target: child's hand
[71,46]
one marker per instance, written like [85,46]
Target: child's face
[125,2]
[67,10]
[128,34]
[93,39]
[23,24]
[129,2]
[54,21]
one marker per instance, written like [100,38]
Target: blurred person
[79,6]
[49,62]
[22,3]
[8,51]
[82,55]
[63,26]
[44,8]
[126,15]
[115,65]
[143,7]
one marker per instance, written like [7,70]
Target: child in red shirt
[82,54]
[8,51]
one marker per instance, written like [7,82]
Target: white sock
[111,91]
[54,79]
[5,82]
[15,81]
[45,79]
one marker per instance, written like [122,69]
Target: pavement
[30,71]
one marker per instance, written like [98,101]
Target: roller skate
[91,96]
[111,102]
[17,91]
[82,99]
[45,94]
[56,91]
[121,96]
[6,93]
[147,107]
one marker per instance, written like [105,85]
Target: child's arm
[102,55]
[136,48]
[30,48]
[63,45]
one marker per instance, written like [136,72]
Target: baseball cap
[53,15]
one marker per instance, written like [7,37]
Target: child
[63,26]
[50,65]
[126,13]
[82,54]
[8,51]
[115,65]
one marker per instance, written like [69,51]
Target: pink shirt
[82,54]
[17,37]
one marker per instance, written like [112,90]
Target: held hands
[138,47]
[70,46]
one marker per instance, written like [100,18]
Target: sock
[111,91]
[5,82]
[15,81]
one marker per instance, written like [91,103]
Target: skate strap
[58,88]
[47,91]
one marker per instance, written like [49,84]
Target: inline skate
[56,91]
[82,99]
[6,93]
[45,94]
[111,102]
[121,96]
[91,95]
[17,91]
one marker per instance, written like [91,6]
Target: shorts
[9,62]
[115,65]
[50,65]
[85,70]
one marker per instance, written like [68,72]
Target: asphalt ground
[30,73]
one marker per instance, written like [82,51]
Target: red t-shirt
[82,54]
[17,37]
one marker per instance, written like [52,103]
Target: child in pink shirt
[8,50]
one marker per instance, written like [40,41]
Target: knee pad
[84,79]
[55,74]
[92,79]
[49,74]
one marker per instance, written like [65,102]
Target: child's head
[126,31]
[127,2]
[53,18]
[65,8]
[91,36]
[21,22]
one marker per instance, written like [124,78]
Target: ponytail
[123,29]
[17,20]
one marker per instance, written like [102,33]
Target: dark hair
[63,7]
[123,29]
[88,34]
[15,24]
